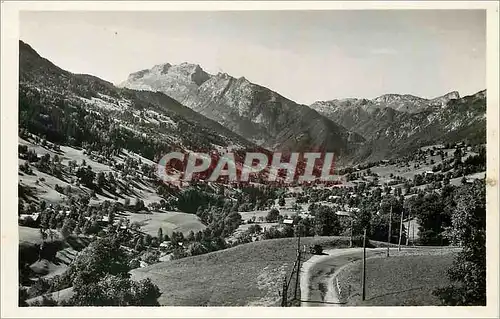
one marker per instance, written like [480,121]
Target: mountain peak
[452,95]
[392,97]
[163,76]
[444,99]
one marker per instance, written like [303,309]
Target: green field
[168,221]
[61,255]
[397,280]
[31,235]
[245,275]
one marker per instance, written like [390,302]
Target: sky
[304,55]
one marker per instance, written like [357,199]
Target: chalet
[305,214]
[30,219]
[343,214]
[104,220]
[166,245]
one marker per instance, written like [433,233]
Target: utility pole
[298,268]
[283,293]
[390,230]
[413,234]
[350,239]
[408,228]
[400,231]
[363,279]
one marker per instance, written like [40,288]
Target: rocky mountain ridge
[253,111]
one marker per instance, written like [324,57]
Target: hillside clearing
[168,221]
[43,184]
[61,295]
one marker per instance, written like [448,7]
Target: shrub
[272,215]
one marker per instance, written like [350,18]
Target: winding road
[318,277]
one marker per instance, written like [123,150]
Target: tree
[101,180]
[431,216]
[254,229]
[468,230]
[160,234]
[271,232]
[196,248]
[138,244]
[146,240]
[68,227]
[281,201]
[86,176]
[101,257]
[190,236]
[111,178]
[22,296]
[190,199]
[177,237]
[53,221]
[304,228]
[115,290]
[77,230]
[111,215]
[326,222]
[457,156]
[139,204]
[463,180]
[272,215]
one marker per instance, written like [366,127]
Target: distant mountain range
[77,108]
[182,106]
[403,103]
[358,128]
[253,111]
[392,124]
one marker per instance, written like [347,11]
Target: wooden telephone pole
[408,228]
[390,231]
[350,239]
[298,268]
[400,231]
[284,293]
[363,279]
